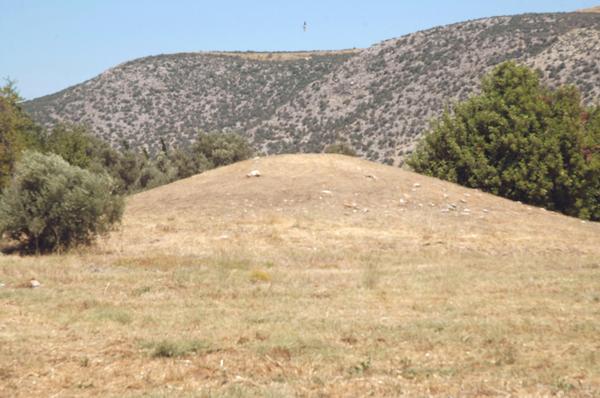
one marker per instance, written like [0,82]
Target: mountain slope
[172,96]
[380,99]
[383,99]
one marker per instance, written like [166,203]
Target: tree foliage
[17,131]
[51,205]
[521,140]
[219,149]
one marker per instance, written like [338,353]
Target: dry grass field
[327,276]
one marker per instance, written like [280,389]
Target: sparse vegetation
[399,300]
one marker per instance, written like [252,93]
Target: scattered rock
[33,283]
[326,192]
[451,206]
[350,340]
[1,285]
[416,185]
[485,210]
[351,206]
[463,201]
[371,176]
[254,173]
[402,201]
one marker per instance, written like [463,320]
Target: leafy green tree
[518,139]
[74,144]
[184,164]
[77,146]
[17,131]
[51,205]
[158,172]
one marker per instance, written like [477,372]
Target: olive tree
[50,205]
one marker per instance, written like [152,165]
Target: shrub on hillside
[341,148]
[220,149]
[51,205]
[521,140]
[75,144]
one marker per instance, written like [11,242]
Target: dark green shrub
[340,147]
[51,205]
[519,140]
[220,149]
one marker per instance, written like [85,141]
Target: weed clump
[175,349]
[257,276]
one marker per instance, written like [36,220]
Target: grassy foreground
[352,279]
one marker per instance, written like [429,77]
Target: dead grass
[266,287]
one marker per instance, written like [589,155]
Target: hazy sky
[48,45]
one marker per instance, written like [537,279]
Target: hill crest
[345,195]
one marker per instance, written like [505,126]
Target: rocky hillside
[383,99]
[379,99]
[174,96]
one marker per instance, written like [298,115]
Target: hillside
[341,193]
[383,99]
[172,96]
[326,276]
[380,99]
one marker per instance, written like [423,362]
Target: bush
[519,140]
[51,205]
[220,149]
[341,148]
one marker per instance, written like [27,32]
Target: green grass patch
[177,348]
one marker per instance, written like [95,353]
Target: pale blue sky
[48,45]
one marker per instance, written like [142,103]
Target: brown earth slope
[345,197]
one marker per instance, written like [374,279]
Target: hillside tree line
[521,140]
[60,188]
